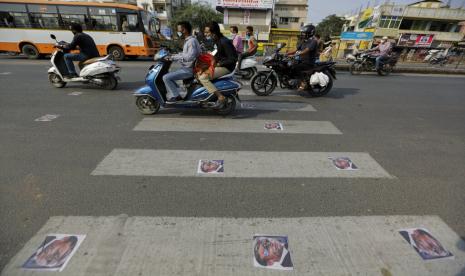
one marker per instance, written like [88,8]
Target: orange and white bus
[118,29]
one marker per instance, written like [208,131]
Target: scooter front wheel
[56,80]
[228,107]
[147,105]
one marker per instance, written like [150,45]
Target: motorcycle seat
[90,61]
[227,76]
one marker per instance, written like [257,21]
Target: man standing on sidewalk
[190,52]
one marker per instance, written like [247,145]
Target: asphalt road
[412,125]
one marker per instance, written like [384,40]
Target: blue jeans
[69,58]
[171,78]
[379,60]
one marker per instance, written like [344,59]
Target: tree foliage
[197,14]
[330,26]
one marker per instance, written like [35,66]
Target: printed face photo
[274,126]
[211,166]
[271,252]
[54,252]
[343,163]
[425,244]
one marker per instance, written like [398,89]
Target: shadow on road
[340,93]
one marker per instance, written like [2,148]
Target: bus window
[74,14]
[103,19]
[14,16]
[44,16]
[129,23]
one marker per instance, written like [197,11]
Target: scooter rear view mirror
[53,36]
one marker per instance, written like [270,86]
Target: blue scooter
[152,96]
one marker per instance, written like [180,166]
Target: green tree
[197,14]
[330,26]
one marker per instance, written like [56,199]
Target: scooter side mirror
[53,36]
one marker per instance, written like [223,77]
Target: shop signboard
[245,4]
[416,40]
[357,36]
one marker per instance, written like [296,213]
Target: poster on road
[426,245]
[54,253]
[272,252]
[210,167]
[343,163]
[274,126]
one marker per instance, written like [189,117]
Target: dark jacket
[226,55]
[86,45]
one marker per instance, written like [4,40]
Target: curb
[345,67]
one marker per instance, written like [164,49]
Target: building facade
[242,13]
[290,14]
[430,23]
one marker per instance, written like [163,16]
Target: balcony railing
[442,36]
[428,13]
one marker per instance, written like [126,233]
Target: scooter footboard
[145,90]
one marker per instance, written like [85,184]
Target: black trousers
[241,57]
[298,69]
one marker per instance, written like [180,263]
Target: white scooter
[100,71]
[248,68]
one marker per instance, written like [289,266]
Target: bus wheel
[116,52]
[30,51]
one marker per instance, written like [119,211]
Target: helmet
[307,31]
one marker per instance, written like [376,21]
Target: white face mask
[179,34]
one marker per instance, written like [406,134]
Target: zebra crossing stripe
[234,125]
[279,106]
[258,164]
[364,245]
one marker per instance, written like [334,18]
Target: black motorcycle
[366,62]
[279,69]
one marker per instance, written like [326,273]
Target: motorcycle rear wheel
[262,85]
[249,73]
[356,68]
[319,91]
[385,70]
[228,107]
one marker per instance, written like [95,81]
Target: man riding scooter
[87,47]
[306,53]
[251,46]
[187,58]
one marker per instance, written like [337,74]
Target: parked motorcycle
[366,62]
[152,96]
[100,72]
[279,69]
[248,68]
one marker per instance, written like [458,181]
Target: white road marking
[47,118]
[258,164]
[279,106]
[5,73]
[75,93]
[233,125]
[366,245]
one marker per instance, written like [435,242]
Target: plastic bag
[319,78]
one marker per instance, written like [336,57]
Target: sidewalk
[415,67]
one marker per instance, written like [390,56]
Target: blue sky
[319,9]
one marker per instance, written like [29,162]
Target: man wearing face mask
[382,51]
[251,45]
[86,45]
[191,50]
